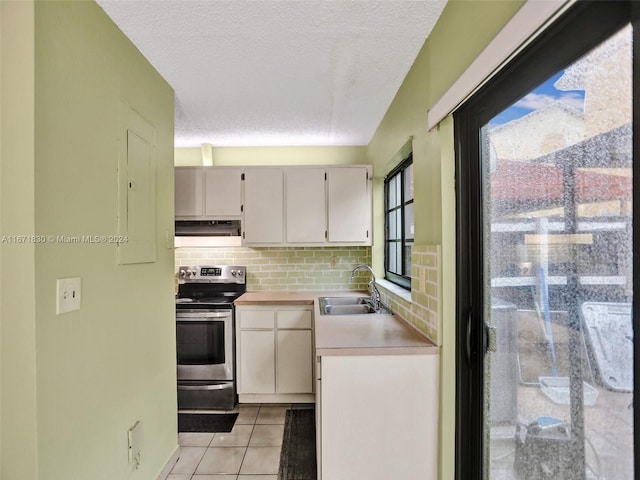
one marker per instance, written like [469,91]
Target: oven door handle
[219,386]
[200,316]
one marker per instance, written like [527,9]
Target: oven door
[204,344]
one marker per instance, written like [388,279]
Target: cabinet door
[390,403]
[306,205]
[349,204]
[294,362]
[188,192]
[223,192]
[256,363]
[263,206]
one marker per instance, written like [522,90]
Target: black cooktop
[224,300]
[203,296]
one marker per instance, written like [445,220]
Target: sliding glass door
[546,259]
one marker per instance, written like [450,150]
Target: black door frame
[584,26]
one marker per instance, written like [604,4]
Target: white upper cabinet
[349,204]
[208,193]
[263,220]
[188,192]
[306,211]
[223,192]
[328,205]
[293,205]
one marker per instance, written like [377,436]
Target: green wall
[462,32]
[73,384]
[18,428]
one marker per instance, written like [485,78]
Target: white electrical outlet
[68,294]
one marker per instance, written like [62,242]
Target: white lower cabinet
[274,347]
[377,417]
[256,368]
[294,361]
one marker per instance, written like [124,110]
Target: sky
[544,95]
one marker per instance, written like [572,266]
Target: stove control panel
[211,271]
[212,274]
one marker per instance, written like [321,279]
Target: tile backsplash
[423,311]
[329,268]
[286,268]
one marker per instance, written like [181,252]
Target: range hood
[208,228]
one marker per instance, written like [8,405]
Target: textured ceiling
[278,72]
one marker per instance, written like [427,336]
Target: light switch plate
[68,294]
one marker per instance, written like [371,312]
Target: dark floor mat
[298,455]
[206,422]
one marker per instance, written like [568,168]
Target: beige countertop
[375,334]
[278,298]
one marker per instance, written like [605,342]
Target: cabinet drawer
[257,319]
[300,319]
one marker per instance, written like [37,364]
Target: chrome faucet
[373,289]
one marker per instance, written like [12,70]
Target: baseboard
[173,459]
[276,398]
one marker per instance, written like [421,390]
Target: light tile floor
[251,451]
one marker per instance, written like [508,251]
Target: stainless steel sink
[343,300]
[348,306]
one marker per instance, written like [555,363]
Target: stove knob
[233,272]
[182,273]
[240,272]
